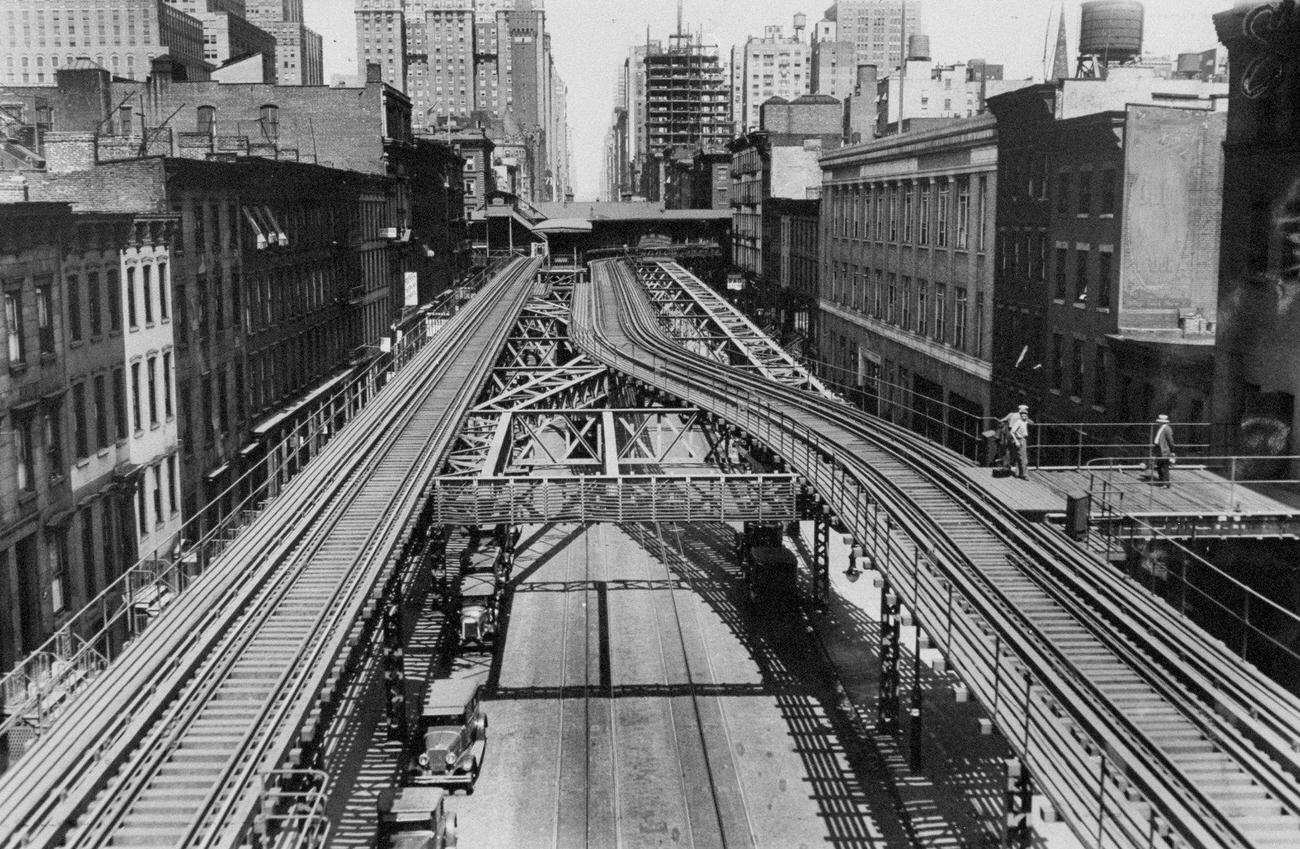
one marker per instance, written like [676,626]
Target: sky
[590,39]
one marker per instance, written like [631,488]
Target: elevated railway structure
[182,740]
[1140,729]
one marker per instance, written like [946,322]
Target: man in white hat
[1163,445]
[1019,427]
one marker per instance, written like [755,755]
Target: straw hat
[1162,419]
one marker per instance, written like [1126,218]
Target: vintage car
[771,569]
[478,602]
[415,818]
[452,734]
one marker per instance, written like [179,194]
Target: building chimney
[374,73]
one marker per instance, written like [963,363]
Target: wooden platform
[1030,498]
[1191,491]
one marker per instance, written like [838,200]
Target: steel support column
[887,706]
[821,563]
[1017,832]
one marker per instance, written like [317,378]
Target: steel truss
[706,324]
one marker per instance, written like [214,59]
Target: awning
[249,449]
[217,472]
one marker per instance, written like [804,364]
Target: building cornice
[975,367]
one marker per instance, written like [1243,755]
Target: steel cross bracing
[180,740]
[555,437]
[1141,729]
[706,324]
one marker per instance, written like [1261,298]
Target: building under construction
[688,104]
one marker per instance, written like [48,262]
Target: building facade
[41,38]
[792,258]
[299,53]
[1257,370]
[908,252]
[1106,300]
[772,66]
[875,28]
[688,104]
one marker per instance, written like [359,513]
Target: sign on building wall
[412,293]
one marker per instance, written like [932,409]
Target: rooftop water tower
[1110,33]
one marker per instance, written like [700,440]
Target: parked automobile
[771,569]
[415,818]
[478,603]
[452,734]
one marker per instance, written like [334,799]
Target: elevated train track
[171,746]
[1141,729]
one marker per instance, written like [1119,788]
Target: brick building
[1257,369]
[89,473]
[907,229]
[778,161]
[1105,307]
[791,255]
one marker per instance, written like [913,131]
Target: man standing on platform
[1019,425]
[1163,445]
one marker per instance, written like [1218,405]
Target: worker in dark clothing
[1163,447]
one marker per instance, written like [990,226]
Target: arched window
[270,121]
[207,122]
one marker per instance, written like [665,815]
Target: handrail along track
[1106,709]
[166,746]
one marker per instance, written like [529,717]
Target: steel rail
[1120,731]
[80,752]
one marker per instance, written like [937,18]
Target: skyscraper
[875,28]
[688,104]
[773,66]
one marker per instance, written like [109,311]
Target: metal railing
[1224,483]
[91,638]
[626,498]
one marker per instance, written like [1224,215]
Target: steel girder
[708,325]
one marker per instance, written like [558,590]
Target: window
[183,401]
[167,383]
[174,488]
[146,281]
[1104,259]
[157,495]
[877,293]
[182,326]
[135,396]
[979,324]
[164,309]
[941,215]
[1108,187]
[1042,258]
[906,321]
[113,283]
[93,304]
[57,548]
[983,214]
[925,216]
[963,213]
[45,316]
[1101,384]
[878,211]
[142,517]
[270,120]
[891,305]
[119,402]
[1085,193]
[940,311]
[132,320]
[80,430]
[26,456]
[53,441]
[959,320]
[207,120]
[88,565]
[893,214]
[1076,381]
[1062,255]
[922,320]
[101,413]
[908,214]
[73,288]
[1081,276]
[1063,192]
[1058,360]
[200,231]
[151,367]
[14,325]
